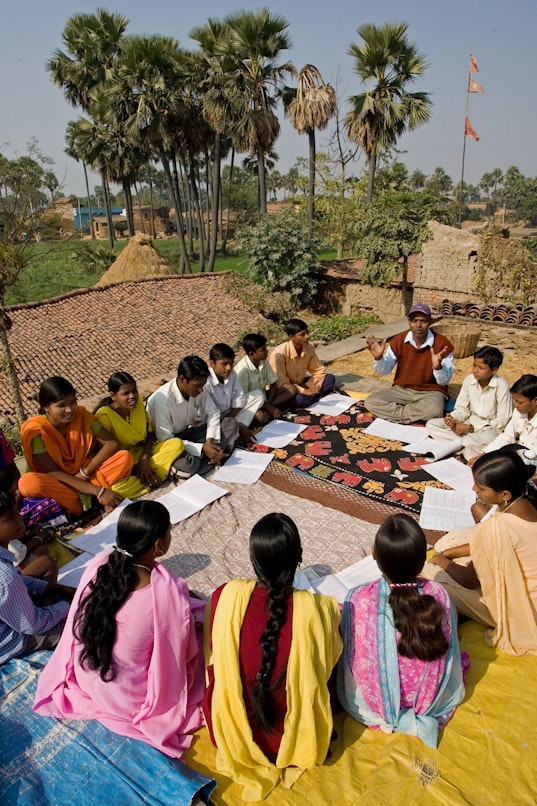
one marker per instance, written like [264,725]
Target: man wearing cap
[424,368]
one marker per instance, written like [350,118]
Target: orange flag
[473,86]
[473,65]
[469,130]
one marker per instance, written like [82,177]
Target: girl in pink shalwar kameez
[129,655]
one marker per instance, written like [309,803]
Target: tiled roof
[142,327]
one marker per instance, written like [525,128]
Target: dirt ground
[518,345]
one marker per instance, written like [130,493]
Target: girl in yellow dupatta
[270,651]
[123,414]
[59,448]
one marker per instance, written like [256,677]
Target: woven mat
[212,547]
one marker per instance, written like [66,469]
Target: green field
[57,268]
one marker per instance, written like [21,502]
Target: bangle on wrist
[101,491]
[83,473]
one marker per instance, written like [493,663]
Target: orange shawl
[68,452]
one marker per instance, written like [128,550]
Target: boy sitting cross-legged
[298,368]
[30,618]
[482,409]
[258,380]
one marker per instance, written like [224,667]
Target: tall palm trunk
[311,180]
[174,190]
[371,175]
[138,199]
[197,210]
[215,201]
[151,203]
[230,185]
[128,206]
[92,234]
[262,182]
[108,212]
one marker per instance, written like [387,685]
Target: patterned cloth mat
[336,450]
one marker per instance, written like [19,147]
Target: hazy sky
[501,37]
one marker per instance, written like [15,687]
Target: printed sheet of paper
[396,431]
[445,510]
[453,473]
[338,585]
[243,467]
[190,497]
[102,536]
[71,573]
[333,405]
[434,448]
[279,433]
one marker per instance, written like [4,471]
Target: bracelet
[101,491]
[83,473]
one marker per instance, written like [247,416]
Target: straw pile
[138,261]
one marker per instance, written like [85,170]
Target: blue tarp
[48,761]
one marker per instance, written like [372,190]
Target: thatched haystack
[138,261]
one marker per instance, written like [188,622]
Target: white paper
[243,467]
[71,573]
[444,510]
[395,431]
[332,405]
[338,585]
[453,473]
[301,582]
[279,433]
[190,497]
[330,585]
[360,573]
[103,535]
[434,448]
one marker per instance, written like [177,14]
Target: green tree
[439,183]
[417,180]
[391,228]
[313,105]
[381,114]
[24,217]
[283,255]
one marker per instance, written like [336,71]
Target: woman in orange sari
[59,448]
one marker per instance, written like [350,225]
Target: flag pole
[464,144]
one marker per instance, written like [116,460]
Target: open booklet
[190,497]
[338,585]
[434,448]
[444,510]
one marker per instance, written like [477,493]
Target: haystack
[138,261]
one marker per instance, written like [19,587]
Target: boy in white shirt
[482,409]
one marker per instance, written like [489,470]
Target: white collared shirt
[484,407]
[172,413]
[519,429]
[226,394]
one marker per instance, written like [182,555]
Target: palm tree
[254,40]
[312,107]
[91,44]
[381,114]
[147,94]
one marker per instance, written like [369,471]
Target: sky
[501,37]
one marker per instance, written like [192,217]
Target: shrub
[283,255]
[334,328]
